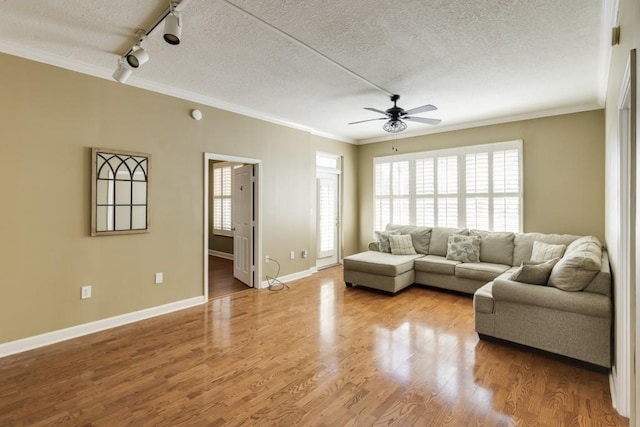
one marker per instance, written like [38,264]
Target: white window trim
[460,152]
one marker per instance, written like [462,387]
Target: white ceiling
[478,61]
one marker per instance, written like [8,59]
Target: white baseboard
[53,337]
[621,408]
[220,254]
[291,277]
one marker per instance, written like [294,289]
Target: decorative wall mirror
[119,192]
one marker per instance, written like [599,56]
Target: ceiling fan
[395,116]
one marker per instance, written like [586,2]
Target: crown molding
[103,73]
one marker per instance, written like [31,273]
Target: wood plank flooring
[221,280]
[317,354]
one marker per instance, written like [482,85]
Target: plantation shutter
[447,191]
[222,176]
[474,187]
[477,191]
[506,189]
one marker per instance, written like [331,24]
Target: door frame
[337,171]
[257,206]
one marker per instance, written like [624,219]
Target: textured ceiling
[477,61]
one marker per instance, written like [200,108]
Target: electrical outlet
[267,259]
[292,255]
[304,253]
[159,278]
[86,292]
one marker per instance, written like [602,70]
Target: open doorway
[232,237]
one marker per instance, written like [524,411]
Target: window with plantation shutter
[476,187]
[222,176]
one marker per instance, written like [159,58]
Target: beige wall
[49,119]
[563,170]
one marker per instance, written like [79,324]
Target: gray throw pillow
[534,274]
[544,251]
[401,244]
[383,240]
[463,248]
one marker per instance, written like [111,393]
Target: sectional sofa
[547,291]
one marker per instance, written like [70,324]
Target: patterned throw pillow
[534,274]
[463,248]
[401,244]
[544,251]
[383,240]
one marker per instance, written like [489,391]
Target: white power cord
[274,283]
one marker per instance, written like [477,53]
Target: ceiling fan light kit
[394,126]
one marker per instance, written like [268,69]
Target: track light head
[123,72]
[137,57]
[173,26]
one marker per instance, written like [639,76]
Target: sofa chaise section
[380,270]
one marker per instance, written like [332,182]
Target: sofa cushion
[483,299]
[523,244]
[440,239]
[589,243]
[481,271]
[435,264]
[463,248]
[544,251]
[420,236]
[380,263]
[495,247]
[534,274]
[401,244]
[383,240]
[579,266]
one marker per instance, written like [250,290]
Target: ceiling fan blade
[423,120]
[369,120]
[421,109]
[376,110]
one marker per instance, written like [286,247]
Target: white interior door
[328,219]
[242,213]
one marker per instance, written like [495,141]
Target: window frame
[461,195]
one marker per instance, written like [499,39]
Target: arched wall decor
[119,192]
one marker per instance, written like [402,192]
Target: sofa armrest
[587,303]
[374,246]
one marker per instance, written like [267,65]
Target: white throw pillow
[544,251]
[401,244]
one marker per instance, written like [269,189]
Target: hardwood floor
[317,354]
[221,280]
